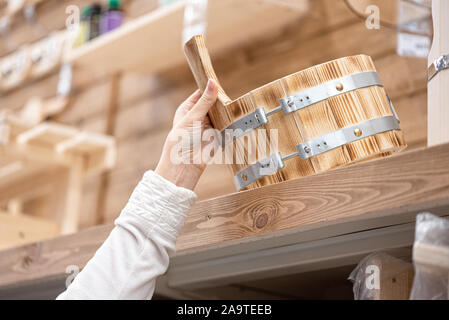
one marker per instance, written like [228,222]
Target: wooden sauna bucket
[327,116]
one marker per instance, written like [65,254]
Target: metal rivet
[358,132]
[339,86]
[307,149]
[244,177]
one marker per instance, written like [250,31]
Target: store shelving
[29,150]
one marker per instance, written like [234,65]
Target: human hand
[183,163]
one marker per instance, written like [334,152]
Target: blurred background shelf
[53,144]
[153,42]
[28,151]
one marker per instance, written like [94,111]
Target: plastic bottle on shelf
[83,32]
[113,17]
[94,21]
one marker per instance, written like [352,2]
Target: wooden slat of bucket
[360,105]
[284,141]
[343,111]
[316,120]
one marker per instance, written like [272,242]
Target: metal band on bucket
[301,100]
[315,147]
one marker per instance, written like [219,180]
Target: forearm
[137,250]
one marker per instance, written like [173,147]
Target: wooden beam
[15,207]
[223,265]
[56,145]
[438,95]
[114,95]
[436,256]
[46,133]
[50,258]
[71,216]
[11,168]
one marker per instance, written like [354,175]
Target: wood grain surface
[375,189]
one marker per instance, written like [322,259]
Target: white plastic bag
[431,256]
[380,276]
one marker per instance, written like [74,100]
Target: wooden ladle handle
[199,61]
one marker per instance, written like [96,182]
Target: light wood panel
[438,95]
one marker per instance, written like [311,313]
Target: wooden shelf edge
[376,194]
[372,194]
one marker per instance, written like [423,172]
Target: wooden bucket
[327,116]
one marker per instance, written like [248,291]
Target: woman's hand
[182,163]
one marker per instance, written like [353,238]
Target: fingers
[188,104]
[207,100]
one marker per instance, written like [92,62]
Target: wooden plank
[431,255]
[50,258]
[110,53]
[111,123]
[438,95]
[16,230]
[59,144]
[213,267]
[46,134]
[382,189]
[70,221]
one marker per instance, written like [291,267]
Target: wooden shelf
[153,42]
[30,150]
[322,221]
[27,148]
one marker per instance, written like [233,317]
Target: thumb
[207,100]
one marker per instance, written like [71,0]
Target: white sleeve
[137,250]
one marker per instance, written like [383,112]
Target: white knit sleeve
[137,250]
